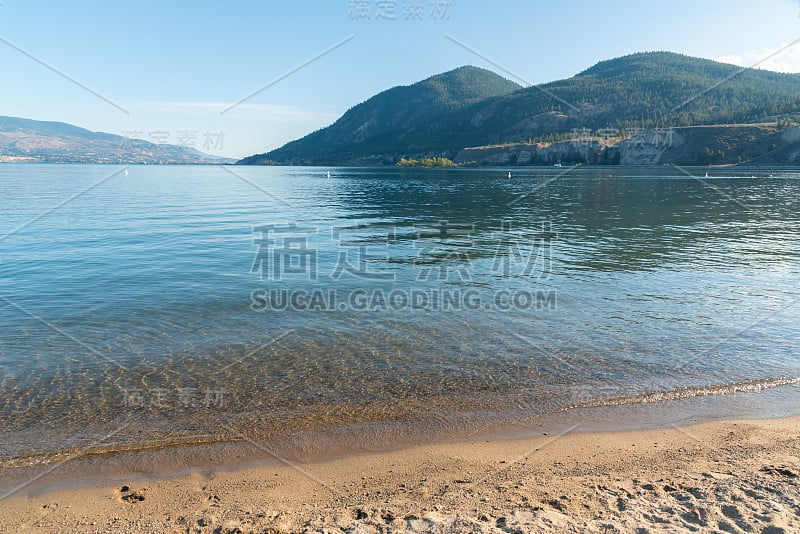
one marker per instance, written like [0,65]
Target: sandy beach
[724,476]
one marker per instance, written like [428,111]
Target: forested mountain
[649,90]
[646,90]
[398,117]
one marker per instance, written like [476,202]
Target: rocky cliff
[565,152]
[696,145]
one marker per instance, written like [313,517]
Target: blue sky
[175,66]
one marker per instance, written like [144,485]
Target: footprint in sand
[131,496]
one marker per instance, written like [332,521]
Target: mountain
[639,91]
[648,90]
[399,117]
[58,142]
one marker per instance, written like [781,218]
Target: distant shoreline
[512,168]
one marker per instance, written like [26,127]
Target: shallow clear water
[155,306]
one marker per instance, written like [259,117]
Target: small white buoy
[329,174]
[706,175]
[509,175]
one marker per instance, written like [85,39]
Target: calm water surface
[204,303]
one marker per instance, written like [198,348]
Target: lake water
[183,305]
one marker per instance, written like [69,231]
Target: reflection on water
[129,310]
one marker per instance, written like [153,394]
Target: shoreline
[237,447]
[725,474]
[738,474]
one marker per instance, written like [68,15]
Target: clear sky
[175,65]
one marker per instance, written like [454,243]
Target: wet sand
[723,476]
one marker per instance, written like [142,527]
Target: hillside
[646,90]
[403,116]
[58,142]
[650,90]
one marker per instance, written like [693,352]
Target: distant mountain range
[58,142]
[472,107]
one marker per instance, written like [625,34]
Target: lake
[185,305]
